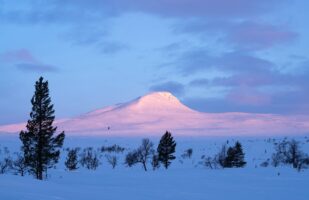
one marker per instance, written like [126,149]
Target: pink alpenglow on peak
[157,112]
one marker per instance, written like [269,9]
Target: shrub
[89,159]
[112,160]
[72,159]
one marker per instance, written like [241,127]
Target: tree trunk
[144,165]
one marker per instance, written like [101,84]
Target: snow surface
[186,179]
[160,111]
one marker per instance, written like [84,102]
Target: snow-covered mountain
[157,112]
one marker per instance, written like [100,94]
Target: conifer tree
[239,156]
[39,145]
[72,160]
[235,156]
[166,148]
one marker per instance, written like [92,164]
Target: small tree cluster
[188,153]
[228,157]
[19,165]
[89,159]
[5,160]
[131,158]
[235,156]
[15,164]
[210,162]
[140,155]
[164,154]
[114,148]
[289,153]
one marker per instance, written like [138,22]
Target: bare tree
[89,159]
[144,152]
[222,155]
[155,161]
[295,155]
[19,164]
[211,163]
[188,153]
[6,163]
[303,163]
[140,155]
[112,160]
[288,152]
[131,158]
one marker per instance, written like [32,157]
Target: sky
[214,55]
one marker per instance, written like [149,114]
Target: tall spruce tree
[40,147]
[166,148]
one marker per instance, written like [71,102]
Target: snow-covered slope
[160,111]
[155,112]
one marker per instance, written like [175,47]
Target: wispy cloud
[19,55]
[30,67]
[94,37]
[59,11]
[200,82]
[199,60]
[23,60]
[244,34]
[170,86]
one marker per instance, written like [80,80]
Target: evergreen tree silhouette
[40,147]
[239,156]
[235,156]
[72,159]
[166,148]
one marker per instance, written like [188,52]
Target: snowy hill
[156,112]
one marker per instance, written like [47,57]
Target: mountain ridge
[157,112]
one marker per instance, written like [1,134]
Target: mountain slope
[147,114]
[159,111]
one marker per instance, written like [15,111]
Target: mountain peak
[159,96]
[158,102]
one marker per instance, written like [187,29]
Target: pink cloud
[23,60]
[256,35]
[20,55]
[249,34]
[198,8]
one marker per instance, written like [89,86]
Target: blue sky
[216,56]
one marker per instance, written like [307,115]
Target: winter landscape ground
[187,178]
[154,100]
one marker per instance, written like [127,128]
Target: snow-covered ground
[186,179]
